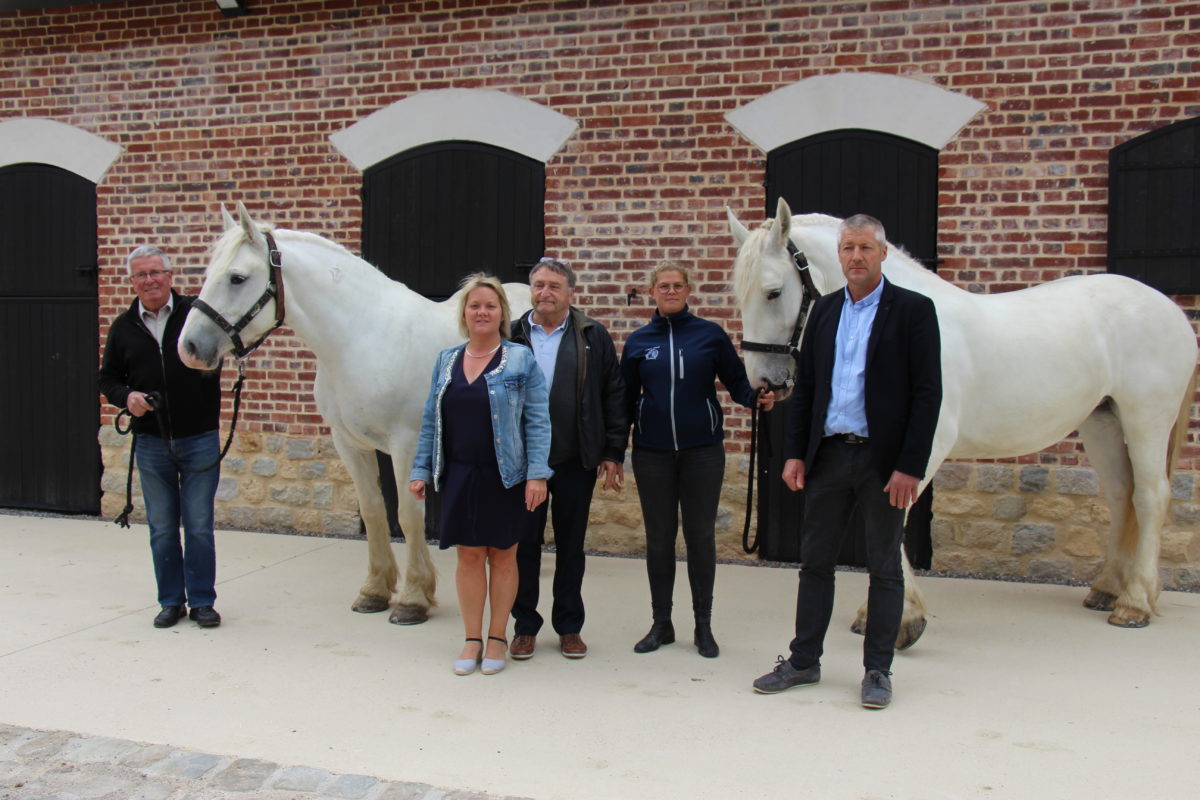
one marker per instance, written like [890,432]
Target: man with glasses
[587,425]
[141,372]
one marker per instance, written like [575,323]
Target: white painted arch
[475,115]
[30,140]
[892,104]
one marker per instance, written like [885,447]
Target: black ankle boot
[705,642]
[660,633]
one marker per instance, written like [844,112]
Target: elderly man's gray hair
[555,265]
[148,250]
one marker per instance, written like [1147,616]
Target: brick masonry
[212,110]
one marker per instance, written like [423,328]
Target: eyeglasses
[140,277]
[668,288]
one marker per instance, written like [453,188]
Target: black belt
[848,438]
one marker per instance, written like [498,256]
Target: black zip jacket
[599,392]
[133,363]
[670,366]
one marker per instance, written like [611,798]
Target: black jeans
[571,489]
[671,482]
[844,475]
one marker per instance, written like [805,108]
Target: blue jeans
[186,571]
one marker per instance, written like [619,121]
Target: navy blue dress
[477,511]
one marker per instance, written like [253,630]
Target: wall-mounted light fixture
[233,8]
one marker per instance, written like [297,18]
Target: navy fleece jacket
[669,367]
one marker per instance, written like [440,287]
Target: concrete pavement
[1015,690]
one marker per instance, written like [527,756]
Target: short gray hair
[555,265]
[860,222]
[148,250]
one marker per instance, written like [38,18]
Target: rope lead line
[746,545]
[123,518]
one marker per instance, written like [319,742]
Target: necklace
[481,355]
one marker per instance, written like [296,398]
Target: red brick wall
[213,110]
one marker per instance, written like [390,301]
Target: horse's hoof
[369,605]
[1128,618]
[859,626]
[1100,601]
[910,632]
[408,615]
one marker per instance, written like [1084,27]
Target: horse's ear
[251,230]
[227,220]
[782,228]
[736,228]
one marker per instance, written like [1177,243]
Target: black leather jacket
[134,362]
[600,392]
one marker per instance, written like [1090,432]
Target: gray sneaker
[876,689]
[785,676]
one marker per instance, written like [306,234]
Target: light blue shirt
[545,347]
[848,399]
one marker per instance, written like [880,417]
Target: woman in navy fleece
[669,366]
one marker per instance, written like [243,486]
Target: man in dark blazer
[868,393]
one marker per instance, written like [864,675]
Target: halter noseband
[274,291]
[810,294]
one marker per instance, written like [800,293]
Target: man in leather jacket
[588,431]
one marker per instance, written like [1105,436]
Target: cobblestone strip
[59,765]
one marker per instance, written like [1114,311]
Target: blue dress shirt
[848,400]
[545,347]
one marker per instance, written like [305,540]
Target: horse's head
[769,292]
[235,282]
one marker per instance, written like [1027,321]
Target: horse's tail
[1182,424]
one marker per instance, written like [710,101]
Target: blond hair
[669,266]
[475,281]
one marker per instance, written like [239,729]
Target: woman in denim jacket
[484,441]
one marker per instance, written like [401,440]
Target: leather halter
[274,291]
[810,295]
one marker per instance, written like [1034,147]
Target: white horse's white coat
[1101,354]
[376,342]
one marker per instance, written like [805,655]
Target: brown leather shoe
[522,647]
[572,645]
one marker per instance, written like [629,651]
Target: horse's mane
[749,266]
[898,256]
[227,244]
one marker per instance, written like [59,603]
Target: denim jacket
[520,417]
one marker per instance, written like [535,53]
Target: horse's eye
[236,279]
[774,294]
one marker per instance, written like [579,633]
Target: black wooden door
[438,212]
[843,173]
[1154,208]
[49,341]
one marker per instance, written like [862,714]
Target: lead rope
[746,545]
[123,518]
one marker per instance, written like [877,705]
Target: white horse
[375,342]
[1101,354]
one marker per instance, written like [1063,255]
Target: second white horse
[1101,354]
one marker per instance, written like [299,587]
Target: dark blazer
[903,381]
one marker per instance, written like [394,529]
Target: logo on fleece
[652,353]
